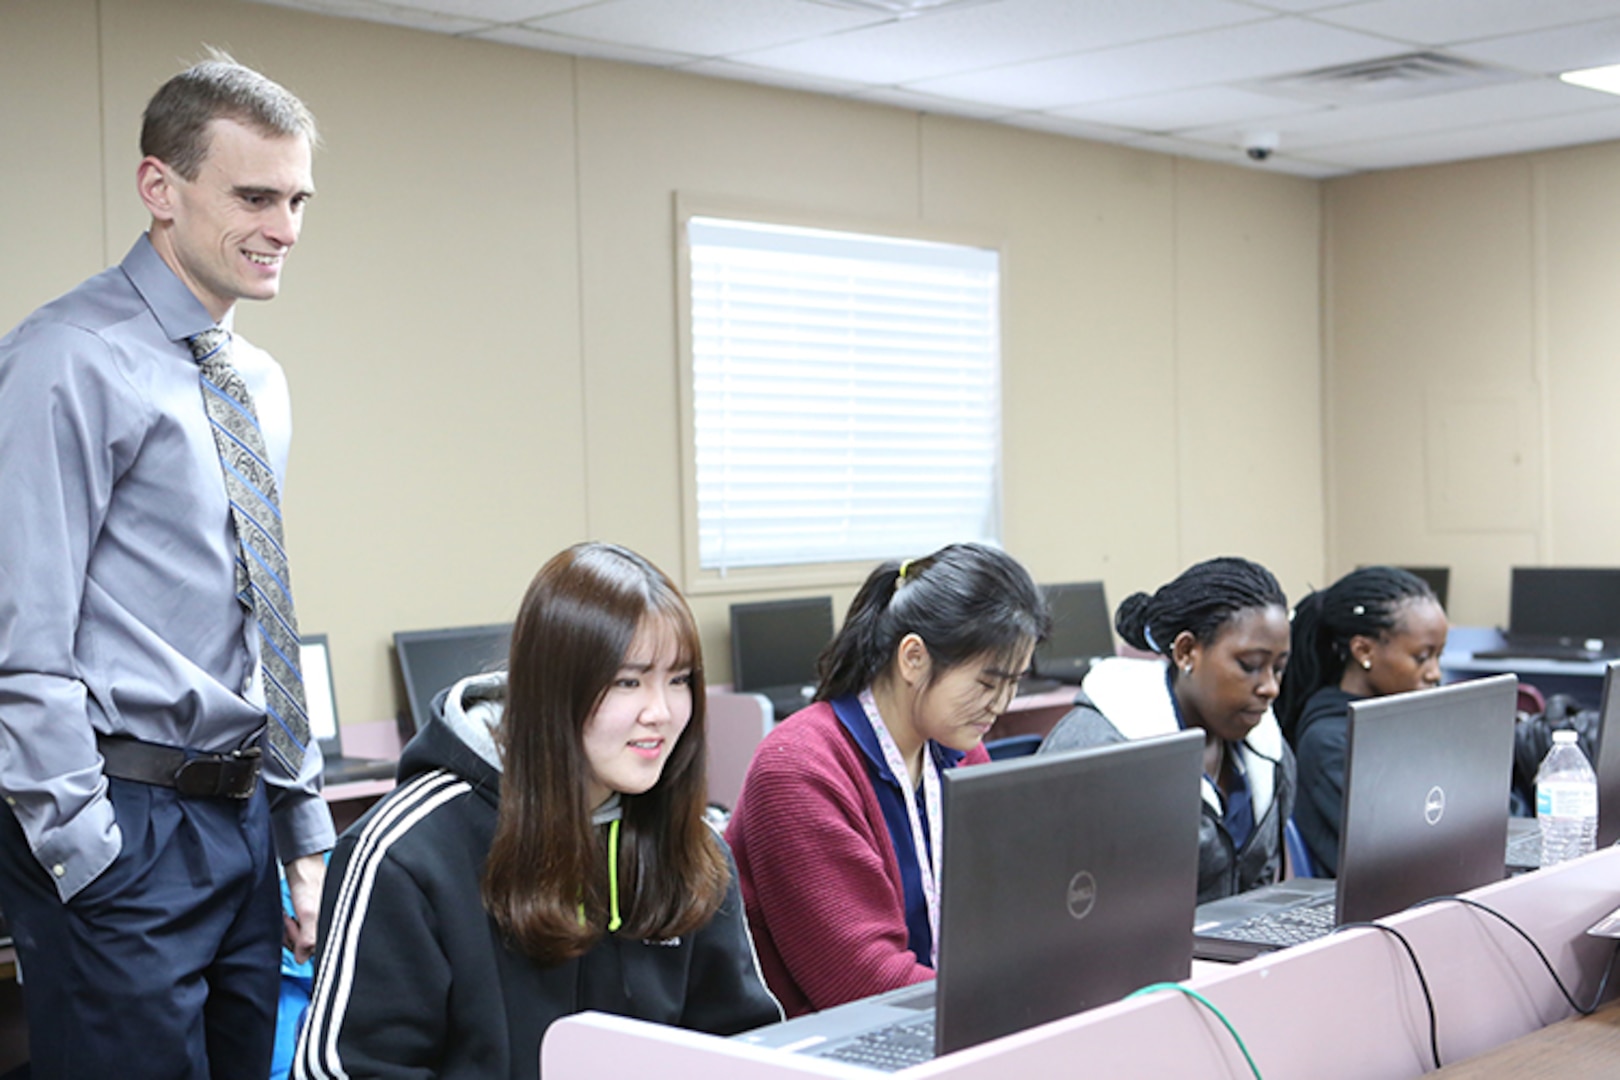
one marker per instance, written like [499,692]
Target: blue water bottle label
[1565,800]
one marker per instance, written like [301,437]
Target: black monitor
[1565,602]
[430,660]
[774,647]
[1082,631]
[1437,578]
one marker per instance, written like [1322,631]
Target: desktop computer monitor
[1437,578]
[1082,631]
[430,660]
[1564,602]
[774,648]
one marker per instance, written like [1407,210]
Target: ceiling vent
[1388,78]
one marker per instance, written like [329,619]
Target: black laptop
[1425,814]
[774,648]
[1561,613]
[320,699]
[1524,833]
[1068,881]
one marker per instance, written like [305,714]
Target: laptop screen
[776,643]
[1565,602]
[320,698]
[1069,881]
[1607,765]
[1425,795]
[430,660]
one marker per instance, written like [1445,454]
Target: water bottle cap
[1564,735]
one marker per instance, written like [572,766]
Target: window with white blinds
[845,394]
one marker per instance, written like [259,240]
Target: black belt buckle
[233,775]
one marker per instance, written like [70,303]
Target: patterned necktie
[262,583]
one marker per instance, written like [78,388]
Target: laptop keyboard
[1524,850]
[1282,928]
[890,1048]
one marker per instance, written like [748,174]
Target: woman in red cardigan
[837,830]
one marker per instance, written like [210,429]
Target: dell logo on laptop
[1434,805]
[1082,894]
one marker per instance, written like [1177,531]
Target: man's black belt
[232,775]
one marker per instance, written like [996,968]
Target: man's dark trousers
[168,964]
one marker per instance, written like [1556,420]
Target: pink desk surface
[1346,1008]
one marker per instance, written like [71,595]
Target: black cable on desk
[1603,984]
[1417,968]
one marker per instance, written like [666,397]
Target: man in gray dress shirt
[145,907]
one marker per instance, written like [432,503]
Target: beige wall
[1471,371]
[480,326]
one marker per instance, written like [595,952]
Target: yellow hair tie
[903,568]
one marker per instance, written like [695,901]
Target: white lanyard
[926,866]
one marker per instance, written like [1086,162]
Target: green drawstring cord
[614,922]
[613,876]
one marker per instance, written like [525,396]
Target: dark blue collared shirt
[1237,805]
[891,796]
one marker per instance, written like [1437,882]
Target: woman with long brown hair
[544,853]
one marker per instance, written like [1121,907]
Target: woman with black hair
[1222,629]
[545,851]
[837,830]
[1378,630]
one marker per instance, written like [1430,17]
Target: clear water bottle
[1566,801]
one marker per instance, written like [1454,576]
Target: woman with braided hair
[837,830]
[1378,630]
[1221,629]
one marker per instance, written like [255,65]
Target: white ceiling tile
[1079,129]
[499,11]
[1187,109]
[1467,109]
[927,103]
[1230,54]
[988,35]
[530,38]
[1163,144]
[1549,52]
[1298,6]
[704,27]
[1441,22]
[374,11]
[793,80]
[1521,137]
